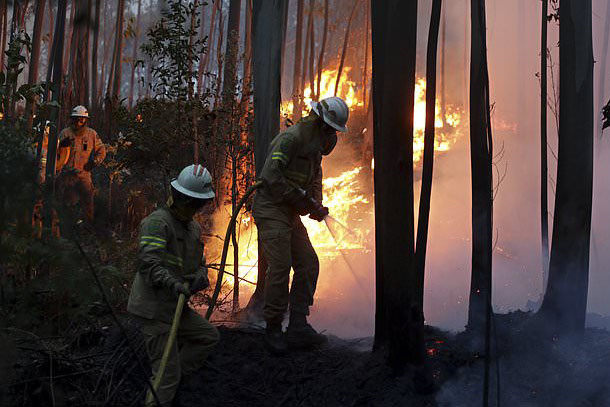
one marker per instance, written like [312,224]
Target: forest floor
[96,368]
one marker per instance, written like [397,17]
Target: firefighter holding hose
[292,187]
[171,264]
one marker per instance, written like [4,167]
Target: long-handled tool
[349,266]
[168,346]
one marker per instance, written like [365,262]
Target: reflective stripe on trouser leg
[275,238]
[306,269]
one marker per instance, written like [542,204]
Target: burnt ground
[96,368]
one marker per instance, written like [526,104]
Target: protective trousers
[285,247]
[77,188]
[195,339]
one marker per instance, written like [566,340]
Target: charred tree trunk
[50,34]
[544,211]
[322,50]
[116,88]
[564,306]
[231,50]
[344,49]
[80,63]
[284,32]
[312,44]
[204,65]
[296,73]
[394,25]
[35,59]
[305,69]
[134,54]
[4,31]
[56,69]
[266,64]
[247,68]
[481,172]
[428,164]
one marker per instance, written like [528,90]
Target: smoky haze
[513,35]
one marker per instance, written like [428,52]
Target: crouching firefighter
[292,187]
[170,263]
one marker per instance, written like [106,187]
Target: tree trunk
[246,92]
[35,58]
[50,34]
[231,50]
[296,73]
[602,69]
[116,89]
[305,69]
[481,172]
[94,70]
[57,71]
[267,18]
[394,25]
[344,49]
[544,211]
[565,302]
[365,72]
[312,45]
[428,162]
[322,50]
[68,48]
[4,31]
[134,54]
[284,32]
[204,66]
[79,71]
[204,52]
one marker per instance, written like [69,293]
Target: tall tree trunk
[247,68]
[204,52]
[51,29]
[134,54]
[305,66]
[204,66]
[94,70]
[365,72]
[312,45]
[35,58]
[394,25]
[602,69]
[267,18]
[344,49]
[322,50]
[565,302]
[70,28]
[116,88]
[544,211]
[79,72]
[296,73]
[481,172]
[57,71]
[284,32]
[428,163]
[4,34]
[443,60]
[231,50]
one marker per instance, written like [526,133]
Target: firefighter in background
[171,254]
[80,150]
[292,187]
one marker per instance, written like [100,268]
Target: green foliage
[173,60]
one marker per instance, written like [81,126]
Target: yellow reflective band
[279,158]
[152,244]
[279,153]
[153,238]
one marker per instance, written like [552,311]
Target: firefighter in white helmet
[80,150]
[292,187]
[171,254]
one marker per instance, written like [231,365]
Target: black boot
[274,339]
[301,335]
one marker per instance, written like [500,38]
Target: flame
[347,90]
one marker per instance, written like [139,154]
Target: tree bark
[4,31]
[344,49]
[35,58]
[231,50]
[365,72]
[564,306]
[481,172]
[116,89]
[322,50]
[94,70]
[428,161]
[394,25]
[134,54]
[602,69]
[312,44]
[544,211]
[79,72]
[204,66]
[267,18]
[305,69]
[296,73]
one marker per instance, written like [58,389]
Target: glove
[299,201]
[65,142]
[318,212]
[181,288]
[199,281]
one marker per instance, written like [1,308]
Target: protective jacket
[293,161]
[84,146]
[169,250]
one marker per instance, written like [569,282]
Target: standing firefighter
[80,150]
[292,187]
[170,256]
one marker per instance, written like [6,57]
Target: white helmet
[333,111]
[194,181]
[80,111]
